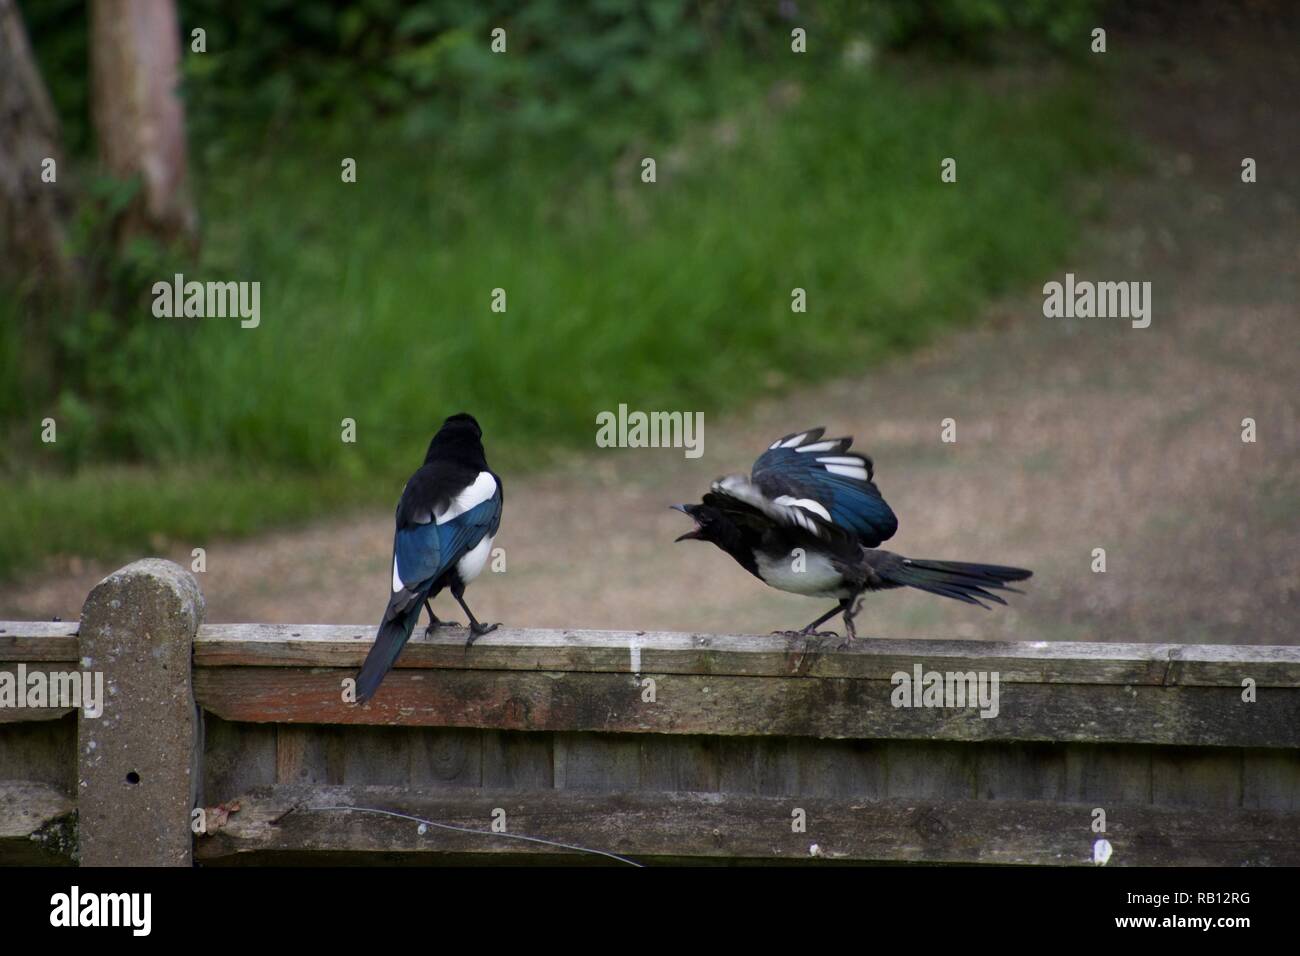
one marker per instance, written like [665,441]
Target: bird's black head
[710,523]
[459,435]
[715,526]
[462,422]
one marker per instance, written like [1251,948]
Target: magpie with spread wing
[809,519]
[446,520]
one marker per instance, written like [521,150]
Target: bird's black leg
[811,628]
[476,629]
[851,608]
[434,622]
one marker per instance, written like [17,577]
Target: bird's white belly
[811,574]
[471,563]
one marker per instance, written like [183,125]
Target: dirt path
[1072,435]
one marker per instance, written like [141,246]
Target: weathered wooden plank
[236,758]
[517,761]
[345,646]
[1020,771]
[539,649]
[26,715]
[44,752]
[37,825]
[1227,665]
[299,755]
[1270,779]
[647,826]
[445,758]
[336,751]
[21,672]
[776,767]
[807,707]
[844,768]
[596,762]
[1102,774]
[943,771]
[737,759]
[30,641]
[377,755]
[785,766]
[1185,777]
[671,762]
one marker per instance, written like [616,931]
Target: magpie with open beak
[446,519]
[809,519]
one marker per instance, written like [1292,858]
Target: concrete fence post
[137,763]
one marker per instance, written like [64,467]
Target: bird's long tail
[961,580]
[392,637]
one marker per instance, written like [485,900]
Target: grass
[673,295]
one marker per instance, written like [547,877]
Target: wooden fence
[233,744]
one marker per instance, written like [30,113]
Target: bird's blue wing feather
[424,551]
[806,466]
[419,553]
[462,534]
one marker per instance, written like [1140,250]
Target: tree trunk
[33,251]
[138,117]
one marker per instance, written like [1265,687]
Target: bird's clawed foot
[478,629]
[812,640]
[434,621]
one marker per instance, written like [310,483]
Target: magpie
[808,520]
[446,519]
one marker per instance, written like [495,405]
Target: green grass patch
[674,295]
[107,511]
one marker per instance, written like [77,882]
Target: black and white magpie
[808,520]
[446,519]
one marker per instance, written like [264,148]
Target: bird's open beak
[693,533]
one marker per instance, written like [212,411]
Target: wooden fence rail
[237,744]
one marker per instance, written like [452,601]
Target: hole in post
[133,778]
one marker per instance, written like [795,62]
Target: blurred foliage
[430,64]
[59,31]
[86,354]
[980,28]
[574,60]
